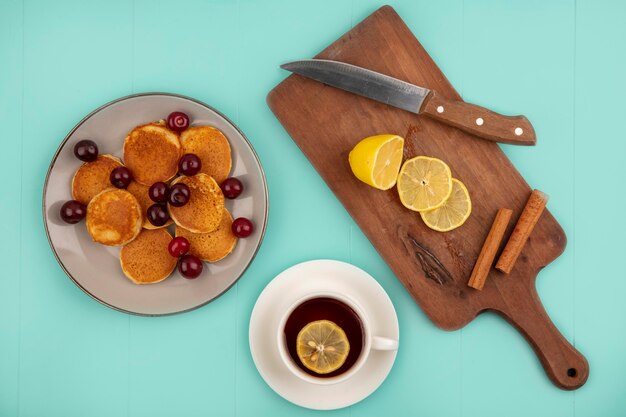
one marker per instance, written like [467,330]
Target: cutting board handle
[565,366]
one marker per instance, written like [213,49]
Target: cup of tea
[346,314]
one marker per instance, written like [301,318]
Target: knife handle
[479,121]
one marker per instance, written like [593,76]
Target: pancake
[93,177]
[140,192]
[114,217]
[212,148]
[146,260]
[151,152]
[213,246]
[205,208]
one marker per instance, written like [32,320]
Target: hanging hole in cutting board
[571,372]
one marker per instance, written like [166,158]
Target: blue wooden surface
[562,63]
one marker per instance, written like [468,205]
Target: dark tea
[325,308]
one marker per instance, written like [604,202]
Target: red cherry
[73,211]
[86,150]
[190,266]
[189,164]
[177,121]
[157,215]
[158,192]
[178,246]
[232,187]
[242,227]
[121,177]
[179,195]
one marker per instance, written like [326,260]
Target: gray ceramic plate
[96,268]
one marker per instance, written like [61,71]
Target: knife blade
[470,118]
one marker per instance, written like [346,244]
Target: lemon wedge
[424,183]
[454,211]
[376,160]
[322,346]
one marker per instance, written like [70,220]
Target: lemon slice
[322,346]
[376,160]
[424,183]
[453,212]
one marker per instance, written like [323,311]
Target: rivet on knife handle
[479,121]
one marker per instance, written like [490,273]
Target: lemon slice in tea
[376,160]
[322,346]
[453,212]
[424,183]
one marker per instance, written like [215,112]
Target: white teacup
[370,341]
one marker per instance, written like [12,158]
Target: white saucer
[295,283]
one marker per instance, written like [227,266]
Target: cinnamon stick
[489,249]
[524,227]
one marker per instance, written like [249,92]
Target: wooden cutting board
[434,267]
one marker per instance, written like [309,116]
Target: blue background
[560,62]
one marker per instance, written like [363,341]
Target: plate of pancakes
[116,251]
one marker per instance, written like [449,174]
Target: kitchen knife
[470,118]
